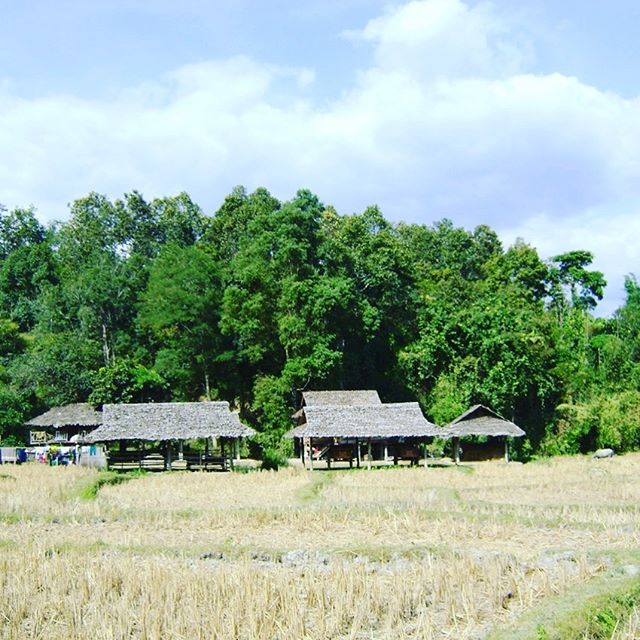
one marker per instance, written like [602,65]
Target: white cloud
[610,234]
[448,120]
[443,39]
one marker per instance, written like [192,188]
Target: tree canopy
[136,300]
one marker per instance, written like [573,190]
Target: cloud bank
[449,119]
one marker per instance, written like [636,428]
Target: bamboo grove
[132,301]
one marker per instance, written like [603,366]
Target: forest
[133,301]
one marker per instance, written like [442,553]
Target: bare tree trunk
[105,345]
[207,388]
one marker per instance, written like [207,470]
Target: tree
[181,309]
[568,273]
[125,381]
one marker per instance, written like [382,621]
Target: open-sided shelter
[343,424]
[60,424]
[171,421]
[480,421]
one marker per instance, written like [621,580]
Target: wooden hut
[60,424]
[342,428]
[166,422]
[480,421]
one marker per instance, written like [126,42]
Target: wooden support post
[368,453]
[311,453]
[237,448]
[456,450]
[169,455]
[358,452]
[301,445]
[181,450]
[506,449]
[386,451]
[232,450]
[426,455]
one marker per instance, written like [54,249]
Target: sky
[517,114]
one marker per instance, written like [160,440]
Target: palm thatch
[399,420]
[169,421]
[480,421]
[80,415]
[354,397]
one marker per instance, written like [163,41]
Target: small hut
[480,421]
[60,424]
[166,422]
[340,430]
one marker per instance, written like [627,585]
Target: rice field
[481,551]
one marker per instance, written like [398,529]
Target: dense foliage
[140,301]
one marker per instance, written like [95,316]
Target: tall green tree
[181,309]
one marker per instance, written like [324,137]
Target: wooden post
[506,449]
[311,453]
[237,448]
[426,455]
[181,450]
[169,455]
[301,442]
[456,450]
[222,454]
[358,452]
[368,453]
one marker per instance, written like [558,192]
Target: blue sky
[522,115]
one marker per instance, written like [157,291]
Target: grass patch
[600,616]
[317,483]
[591,611]
[90,490]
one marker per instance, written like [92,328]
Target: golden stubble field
[470,552]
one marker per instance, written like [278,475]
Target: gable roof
[354,397]
[397,420]
[481,421]
[80,414]
[169,421]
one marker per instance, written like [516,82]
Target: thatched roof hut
[163,421]
[480,421]
[80,415]
[398,420]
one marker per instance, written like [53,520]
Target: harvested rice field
[546,550]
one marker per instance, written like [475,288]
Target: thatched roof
[169,421]
[71,415]
[354,397]
[480,421]
[397,420]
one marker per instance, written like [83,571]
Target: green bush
[273,459]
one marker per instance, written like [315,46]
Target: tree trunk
[105,346]
[207,388]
